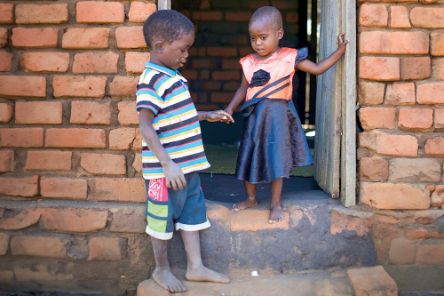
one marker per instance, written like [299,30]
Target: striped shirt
[165,93]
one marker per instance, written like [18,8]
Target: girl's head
[265,30]
[168,35]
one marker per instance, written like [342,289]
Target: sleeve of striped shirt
[147,98]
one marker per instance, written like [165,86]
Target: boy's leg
[251,198]
[162,274]
[196,271]
[276,211]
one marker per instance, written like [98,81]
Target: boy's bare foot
[276,214]
[166,279]
[204,274]
[249,203]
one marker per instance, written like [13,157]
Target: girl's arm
[238,97]
[174,176]
[316,69]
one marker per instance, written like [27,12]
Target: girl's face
[264,37]
[174,55]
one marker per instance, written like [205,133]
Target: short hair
[169,25]
[268,12]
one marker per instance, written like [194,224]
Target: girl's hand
[219,115]
[342,42]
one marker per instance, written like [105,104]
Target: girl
[273,142]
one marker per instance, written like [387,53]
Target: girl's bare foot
[249,203]
[166,279]
[204,274]
[276,214]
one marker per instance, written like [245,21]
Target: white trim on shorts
[158,235]
[196,227]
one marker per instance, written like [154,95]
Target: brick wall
[401,97]
[71,195]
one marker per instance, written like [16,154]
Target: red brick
[106,248]
[38,112]
[121,138]
[241,16]
[26,37]
[221,97]
[5,112]
[21,137]
[382,42]
[435,146]
[117,189]
[50,160]
[430,93]
[79,86]
[292,17]
[379,68]
[402,251]
[137,143]
[45,61]
[7,161]
[371,93]
[439,118]
[20,219]
[41,13]
[95,62]
[377,117]
[415,68]
[230,64]
[103,164]
[130,37]
[415,170]
[137,163]
[389,144]
[73,220]
[4,243]
[427,17]
[399,17]
[438,68]
[402,93]
[226,75]
[43,272]
[99,12]
[85,38]
[63,188]
[127,113]
[222,51]
[430,252]
[123,86]
[207,15]
[24,186]
[211,85]
[3,37]
[128,219]
[373,169]
[202,63]
[437,44]
[23,86]
[40,246]
[373,15]
[135,61]
[75,138]
[192,74]
[416,119]
[140,11]
[5,61]
[90,112]
[389,196]
[6,13]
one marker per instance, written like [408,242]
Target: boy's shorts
[167,209]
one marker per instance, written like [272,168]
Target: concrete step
[314,235]
[354,281]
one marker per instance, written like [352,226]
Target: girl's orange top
[280,66]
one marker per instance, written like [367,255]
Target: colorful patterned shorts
[167,209]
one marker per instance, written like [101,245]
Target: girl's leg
[162,274]
[196,271]
[251,197]
[276,212]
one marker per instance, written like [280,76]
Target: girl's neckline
[270,57]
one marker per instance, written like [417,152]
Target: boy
[172,149]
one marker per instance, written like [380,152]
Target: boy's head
[265,28]
[168,35]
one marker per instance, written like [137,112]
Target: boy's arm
[316,69]
[213,116]
[238,97]
[174,176]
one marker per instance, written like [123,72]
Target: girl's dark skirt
[273,143]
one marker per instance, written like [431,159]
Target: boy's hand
[342,42]
[174,176]
[219,115]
